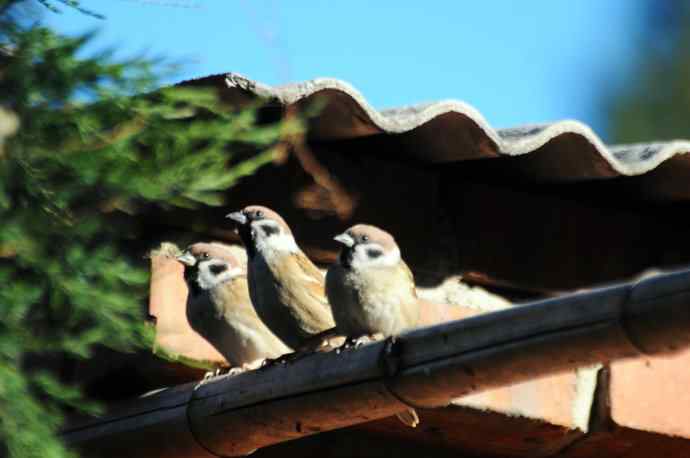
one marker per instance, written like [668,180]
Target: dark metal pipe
[427,367]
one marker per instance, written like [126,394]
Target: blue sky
[516,62]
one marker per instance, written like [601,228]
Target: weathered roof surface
[452,130]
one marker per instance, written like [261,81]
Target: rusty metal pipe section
[650,316]
[433,367]
[427,367]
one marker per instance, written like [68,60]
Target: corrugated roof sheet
[451,130]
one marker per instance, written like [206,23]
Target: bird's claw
[211,374]
[352,343]
[231,371]
[284,359]
[208,376]
[235,371]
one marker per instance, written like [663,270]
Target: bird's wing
[311,277]
[304,291]
[409,275]
[310,272]
[242,324]
[234,297]
[411,312]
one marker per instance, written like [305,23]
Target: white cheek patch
[269,237]
[373,254]
[266,228]
[209,277]
[230,274]
[283,242]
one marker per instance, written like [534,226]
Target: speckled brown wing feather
[304,293]
[409,275]
[225,317]
[234,295]
[411,313]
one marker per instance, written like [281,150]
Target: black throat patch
[346,257]
[245,233]
[190,276]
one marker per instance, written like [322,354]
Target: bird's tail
[409,417]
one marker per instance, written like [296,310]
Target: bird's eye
[365,238]
[205,255]
[259,214]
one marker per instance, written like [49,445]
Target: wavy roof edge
[630,159]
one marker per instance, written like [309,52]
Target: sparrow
[371,290]
[286,288]
[220,310]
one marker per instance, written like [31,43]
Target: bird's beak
[187,259]
[237,217]
[345,239]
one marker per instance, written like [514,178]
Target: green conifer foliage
[80,153]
